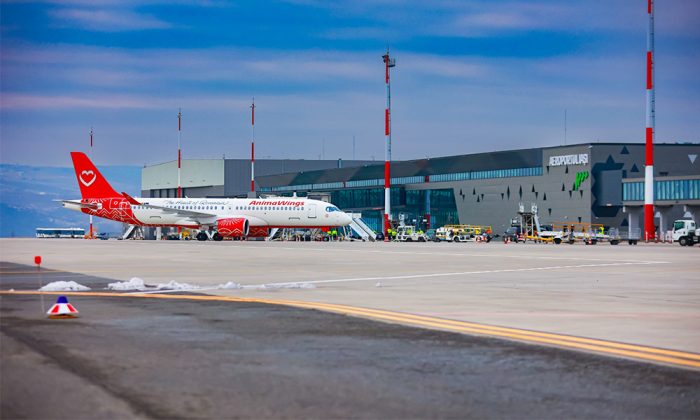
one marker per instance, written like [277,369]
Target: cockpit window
[331,209]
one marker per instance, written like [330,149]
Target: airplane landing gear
[202,236]
[217,237]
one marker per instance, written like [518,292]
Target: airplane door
[312,211]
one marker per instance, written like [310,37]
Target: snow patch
[134,284]
[64,286]
[173,285]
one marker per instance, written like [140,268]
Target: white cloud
[18,101]
[445,66]
[38,101]
[107,20]
[394,20]
[442,104]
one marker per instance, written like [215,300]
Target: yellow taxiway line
[632,351]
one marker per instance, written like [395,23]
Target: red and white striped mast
[179,153]
[91,155]
[252,148]
[649,231]
[388,63]
[179,161]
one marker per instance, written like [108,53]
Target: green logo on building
[580,177]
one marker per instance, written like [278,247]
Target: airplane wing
[179,212]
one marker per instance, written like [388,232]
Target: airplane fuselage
[267,212]
[220,217]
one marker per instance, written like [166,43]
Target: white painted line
[468,254]
[148,292]
[409,276]
[466,273]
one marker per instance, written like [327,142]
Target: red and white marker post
[179,161]
[252,148]
[37,261]
[649,230]
[388,63]
[179,153]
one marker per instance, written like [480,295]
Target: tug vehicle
[409,234]
[463,233]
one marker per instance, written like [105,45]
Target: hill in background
[27,194]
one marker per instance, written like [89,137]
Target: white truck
[685,232]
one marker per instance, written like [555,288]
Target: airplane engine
[258,232]
[233,227]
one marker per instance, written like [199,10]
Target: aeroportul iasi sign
[580,159]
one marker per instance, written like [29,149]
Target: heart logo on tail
[87,178]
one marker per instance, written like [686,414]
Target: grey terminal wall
[597,199]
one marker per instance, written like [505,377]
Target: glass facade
[496,173]
[365,183]
[443,208]
[362,198]
[366,196]
[411,203]
[457,176]
[632,191]
[683,189]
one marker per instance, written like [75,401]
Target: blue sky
[471,76]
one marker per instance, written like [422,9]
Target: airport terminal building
[218,178]
[591,183]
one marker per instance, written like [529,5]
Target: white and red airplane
[215,217]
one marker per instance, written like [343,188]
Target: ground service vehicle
[512,234]
[409,234]
[431,235]
[686,232]
[462,233]
[444,234]
[588,233]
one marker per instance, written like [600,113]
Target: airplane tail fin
[92,183]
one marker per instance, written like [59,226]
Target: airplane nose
[346,219]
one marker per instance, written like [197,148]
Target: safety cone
[62,309]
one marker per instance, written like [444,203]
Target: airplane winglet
[131,199]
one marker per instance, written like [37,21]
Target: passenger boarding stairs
[360,227]
[132,231]
[275,233]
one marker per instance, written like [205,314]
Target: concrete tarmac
[129,357]
[644,294]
